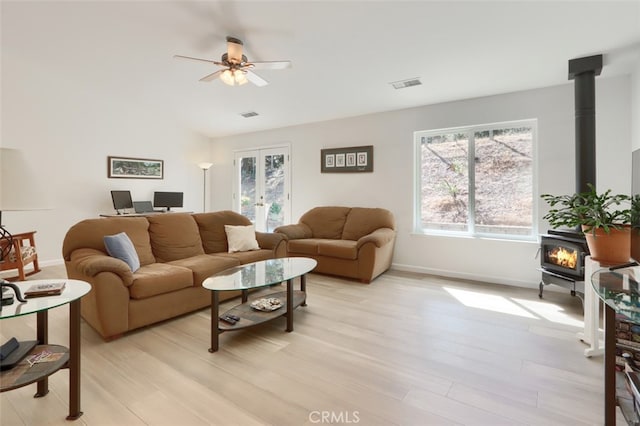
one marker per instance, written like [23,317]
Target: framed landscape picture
[346,160]
[134,168]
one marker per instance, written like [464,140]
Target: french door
[261,187]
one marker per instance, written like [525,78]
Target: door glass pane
[504,181]
[248,187]
[274,190]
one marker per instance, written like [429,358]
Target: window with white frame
[477,180]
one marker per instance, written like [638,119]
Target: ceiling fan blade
[212,76]
[255,78]
[199,59]
[271,65]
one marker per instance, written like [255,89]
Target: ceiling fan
[236,69]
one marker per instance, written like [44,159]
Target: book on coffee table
[47,289]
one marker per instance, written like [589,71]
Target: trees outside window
[477,180]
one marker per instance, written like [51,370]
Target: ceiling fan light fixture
[233,77]
[235,69]
[240,78]
[227,77]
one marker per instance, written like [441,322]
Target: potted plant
[604,218]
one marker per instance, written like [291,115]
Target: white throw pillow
[241,238]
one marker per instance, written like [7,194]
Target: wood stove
[562,256]
[563,252]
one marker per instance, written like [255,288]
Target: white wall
[391,184]
[635,107]
[67,115]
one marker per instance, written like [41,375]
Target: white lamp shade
[240,78]
[205,166]
[227,77]
[21,185]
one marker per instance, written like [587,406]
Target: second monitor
[167,199]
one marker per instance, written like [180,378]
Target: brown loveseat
[177,252]
[352,242]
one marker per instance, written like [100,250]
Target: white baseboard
[54,262]
[29,267]
[465,276]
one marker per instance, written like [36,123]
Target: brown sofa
[352,242]
[177,252]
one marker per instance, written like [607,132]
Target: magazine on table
[45,289]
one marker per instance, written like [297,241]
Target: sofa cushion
[344,249]
[326,222]
[174,236]
[90,233]
[362,221]
[304,246]
[159,278]
[205,265]
[241,238]
[211,225]
[244,257]
[121,247]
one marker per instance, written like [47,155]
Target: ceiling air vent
[248,114]
[406,83]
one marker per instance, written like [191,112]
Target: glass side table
[619,290]
[23,373]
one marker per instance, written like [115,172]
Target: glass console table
[24,373]
[619,290]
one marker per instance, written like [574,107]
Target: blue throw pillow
[121,247]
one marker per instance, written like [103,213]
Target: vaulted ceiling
[344,54]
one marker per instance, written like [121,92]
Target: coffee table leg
[245,296]
[303,288]
[289,305]
[214,322]
[42,332]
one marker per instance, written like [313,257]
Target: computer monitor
[121,200]
[167,199]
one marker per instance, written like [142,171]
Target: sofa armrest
[295,231]
[91,262]
[269,240]
[379,237]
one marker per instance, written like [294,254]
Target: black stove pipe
[583,71]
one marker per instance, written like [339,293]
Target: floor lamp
[204,167]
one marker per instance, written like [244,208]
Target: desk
[620,293]
[138,214]
[22,375]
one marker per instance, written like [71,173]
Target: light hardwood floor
[407,349]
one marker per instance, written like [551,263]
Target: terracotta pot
[612,248]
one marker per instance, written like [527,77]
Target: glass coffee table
[25,373]
[252,276]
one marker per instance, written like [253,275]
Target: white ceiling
[344,54]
